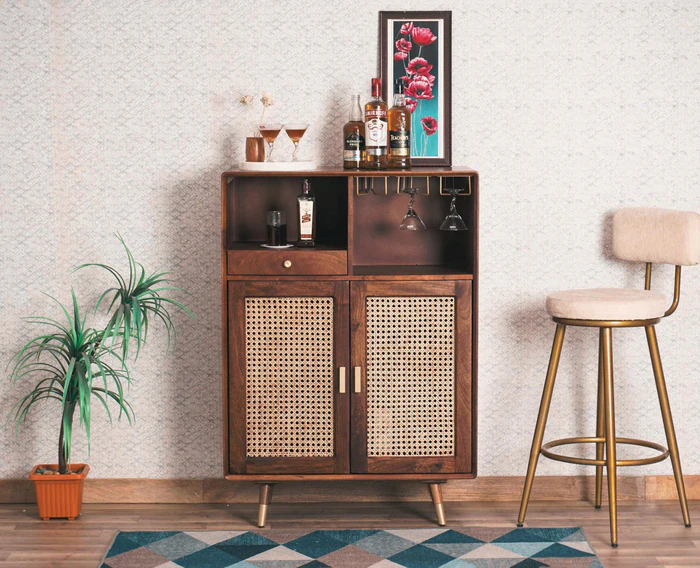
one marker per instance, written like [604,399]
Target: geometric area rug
[463,547]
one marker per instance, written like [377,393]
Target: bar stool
[643,235]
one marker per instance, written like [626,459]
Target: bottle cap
[399,86]
[377,82]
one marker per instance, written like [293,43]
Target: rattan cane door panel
[412,344]
[287,414]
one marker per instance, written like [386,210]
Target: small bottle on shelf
[376,129]
[399,119]
[306,213]
[354,137]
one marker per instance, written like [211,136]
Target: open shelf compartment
[248,199]
[380,247]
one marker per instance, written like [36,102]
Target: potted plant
[75,365]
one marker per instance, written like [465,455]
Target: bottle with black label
[354,137]
[399,118]
[306,213]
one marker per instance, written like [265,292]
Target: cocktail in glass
[270,132]
[295,133]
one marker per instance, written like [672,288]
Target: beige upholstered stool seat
[614,304]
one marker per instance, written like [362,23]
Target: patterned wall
[120,116]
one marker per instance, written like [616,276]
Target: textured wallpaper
[120,116]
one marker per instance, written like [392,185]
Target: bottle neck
[399,99]
[355,109]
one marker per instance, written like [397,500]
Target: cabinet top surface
[336,171]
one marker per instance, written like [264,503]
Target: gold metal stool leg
[264,502]
[542,419]
[436,496]
[610,447]
[600,426]
[668,420]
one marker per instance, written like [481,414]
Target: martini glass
[411,222]
[295,133]
[269,133]
[453,221]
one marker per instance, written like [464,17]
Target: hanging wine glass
[411,222]
[453,221]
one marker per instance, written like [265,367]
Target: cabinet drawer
[293,261]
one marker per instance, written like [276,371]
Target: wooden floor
[651,532]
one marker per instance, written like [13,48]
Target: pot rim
[33,476]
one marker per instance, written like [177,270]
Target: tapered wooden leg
[610,446]
[542,419]
[436,495]
[668,420]
[264,502]
[600,426]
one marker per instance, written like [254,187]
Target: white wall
[120,116]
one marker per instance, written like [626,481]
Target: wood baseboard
[555,488]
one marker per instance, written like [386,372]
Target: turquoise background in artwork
[421,145]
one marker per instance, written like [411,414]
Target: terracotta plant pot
[59,496]
[254,149]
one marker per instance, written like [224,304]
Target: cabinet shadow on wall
[191,429]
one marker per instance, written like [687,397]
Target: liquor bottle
[399,119]
[354,137]
[306,213]
[375,129]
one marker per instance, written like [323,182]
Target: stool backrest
[666,236]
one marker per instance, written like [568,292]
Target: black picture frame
[431,96]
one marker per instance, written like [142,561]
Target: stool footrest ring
[663,452]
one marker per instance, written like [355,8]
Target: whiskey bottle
[354,137]
[375,129]
[399,119]
[306,213]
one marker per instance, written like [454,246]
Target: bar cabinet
[354,359]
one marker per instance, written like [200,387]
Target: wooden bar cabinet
[354,359]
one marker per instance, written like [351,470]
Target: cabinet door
[287,343]
[412,377]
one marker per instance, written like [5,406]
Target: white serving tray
[277,166]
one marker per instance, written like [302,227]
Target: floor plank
[651,532]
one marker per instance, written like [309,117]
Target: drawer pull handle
[342,380]
[287,264]
[358,379]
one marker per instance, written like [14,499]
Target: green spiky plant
[73,363]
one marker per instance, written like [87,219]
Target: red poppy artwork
[429,125]
[422,36]
[419,88]
[418,66]
[415,50]
[404,45]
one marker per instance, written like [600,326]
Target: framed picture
[416,48]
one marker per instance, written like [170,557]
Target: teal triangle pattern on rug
[371,548]
[452,537]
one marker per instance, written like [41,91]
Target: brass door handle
[342,380]
[358,379]
[287,264]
